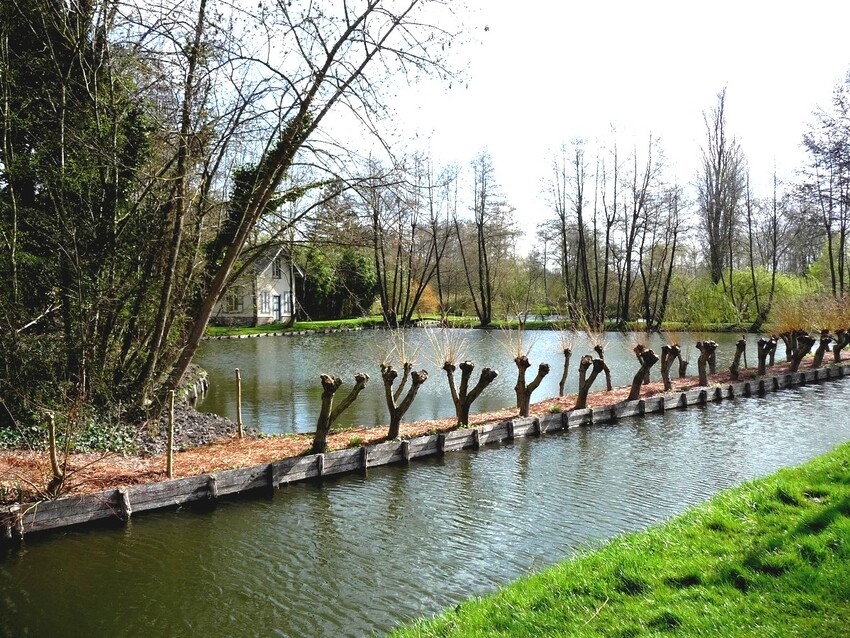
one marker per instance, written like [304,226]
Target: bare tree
[719,186]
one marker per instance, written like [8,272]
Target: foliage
[337,284]
[697,303]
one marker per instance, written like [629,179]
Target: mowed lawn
[768,558]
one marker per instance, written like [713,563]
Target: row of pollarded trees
[790,323]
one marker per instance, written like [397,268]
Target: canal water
[355,555]
[281,392]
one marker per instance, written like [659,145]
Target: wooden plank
[68,506]
[494,432]
[625,409]
[36,522]
[457,440]
[653,404]
[603,414]
[386,453]
[297,469]
[241,480]
[521,428]
[35,517]
[693,397]
[581,417]
[168,493]
[340,461]
[423,446]
[551,422]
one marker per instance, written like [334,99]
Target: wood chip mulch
[29,472]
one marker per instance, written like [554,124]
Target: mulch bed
[30,471]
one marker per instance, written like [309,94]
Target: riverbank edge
[21,519]
[768,557]
[219,333]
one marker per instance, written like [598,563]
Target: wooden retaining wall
[20,519]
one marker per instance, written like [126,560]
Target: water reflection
[282,393]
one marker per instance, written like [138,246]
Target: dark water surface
[280,375]
[354,556]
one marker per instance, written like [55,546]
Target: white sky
[544,73]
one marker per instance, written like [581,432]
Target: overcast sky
[543,72]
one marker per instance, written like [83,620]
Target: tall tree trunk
[740,347]
[647,359]
[585,382]
[765,348]
[464,398]
[823,347]
[523,391]
[563,382]
[804,346]
[328,414]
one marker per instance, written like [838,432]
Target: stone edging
[19,519]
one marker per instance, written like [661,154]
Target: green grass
[359,322]
[769,558]
[376,321]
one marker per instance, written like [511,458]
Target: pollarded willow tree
[122,123]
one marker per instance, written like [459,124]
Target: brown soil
[30,471]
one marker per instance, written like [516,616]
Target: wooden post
[364,457]
[169,459]
[17,522]
[476,439]
[239,430]
[405,450]
[125,509]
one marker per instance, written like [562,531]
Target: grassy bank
[337,324]
[376,321]
[769,558]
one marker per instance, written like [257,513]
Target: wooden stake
[239,430]
[169,463]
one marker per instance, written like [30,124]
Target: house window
[277,271]
[287,303]
[265,302]
[234,302]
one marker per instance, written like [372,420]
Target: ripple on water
[351,555]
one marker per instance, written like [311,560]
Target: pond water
[356,555]
[281,391]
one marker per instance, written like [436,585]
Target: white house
[265,293]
